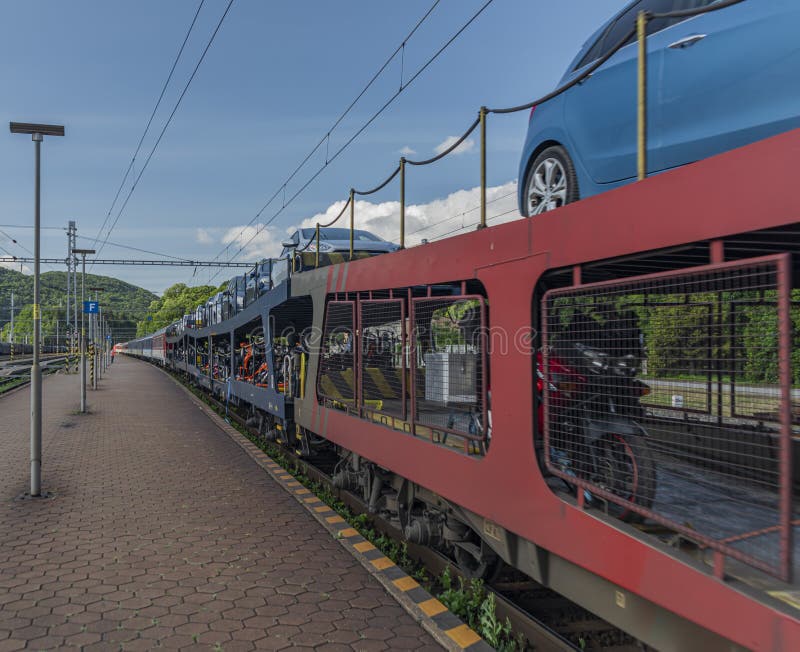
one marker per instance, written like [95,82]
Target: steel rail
[8,383]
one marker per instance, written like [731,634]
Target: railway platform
[160,531]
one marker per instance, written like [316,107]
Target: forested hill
[124,304]
[177,301]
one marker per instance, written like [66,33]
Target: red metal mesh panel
[336,379]
[449,357]
[382,362]
[669,397]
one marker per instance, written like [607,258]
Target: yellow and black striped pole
[91,366]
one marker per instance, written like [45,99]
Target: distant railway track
[548,621]
[27,357]
[7,385]
[14,375]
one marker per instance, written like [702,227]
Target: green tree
[177,301]
[123,304]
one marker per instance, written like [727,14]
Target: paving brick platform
[163,532]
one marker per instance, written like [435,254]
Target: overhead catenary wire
[167,123]
[347,143]
[326,138]
[145,251]
[427,227]
[149,122]
[30,226]
[464,228]
[14,240]
[21,246]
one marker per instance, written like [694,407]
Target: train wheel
[476,560]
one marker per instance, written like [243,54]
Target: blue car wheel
[551,182]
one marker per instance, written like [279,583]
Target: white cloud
[203,236]
[17,267]
[257,241]
[467,146]
[407,151]
[457,213]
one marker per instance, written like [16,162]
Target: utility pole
[37,133]
[12,325]
[99,339]
[75,294]
[83,253]
[69,270]
[70,260]
[105,345]
[97,317]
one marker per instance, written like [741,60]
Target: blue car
[716,81]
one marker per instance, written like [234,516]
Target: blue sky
[273,82]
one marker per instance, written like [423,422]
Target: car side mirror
[288,244]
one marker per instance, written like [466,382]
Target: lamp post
[83,253]
[96,334]
[37,132]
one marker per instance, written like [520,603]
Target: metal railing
[627,418]
[416,364]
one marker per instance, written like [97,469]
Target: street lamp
[82,253]
[96,334]
[37,132]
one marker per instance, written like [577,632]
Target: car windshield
[340,234]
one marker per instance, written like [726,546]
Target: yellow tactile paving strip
[445,627]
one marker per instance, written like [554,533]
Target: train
[21,349]
[437,378]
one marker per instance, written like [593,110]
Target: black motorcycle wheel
[626,468]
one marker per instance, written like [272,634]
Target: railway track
[19,359]
[16,374]
[546,620]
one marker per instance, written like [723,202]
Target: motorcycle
[594,431]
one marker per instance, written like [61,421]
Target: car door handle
[686,42]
